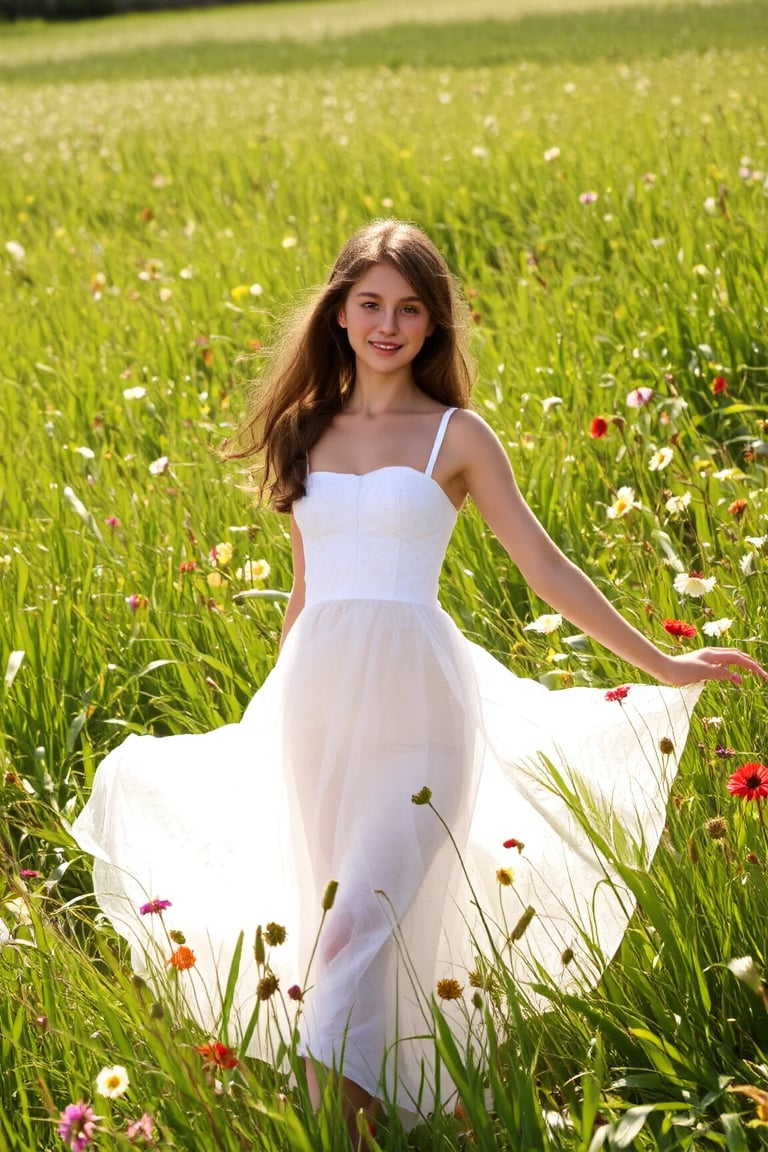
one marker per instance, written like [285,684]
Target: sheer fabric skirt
[370,703]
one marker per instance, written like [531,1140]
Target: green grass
[153,169]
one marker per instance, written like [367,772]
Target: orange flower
[182,958]
[449,989]
[738,508]
[217,1055]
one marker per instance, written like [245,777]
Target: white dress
[375,696]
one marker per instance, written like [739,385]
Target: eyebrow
[403,299]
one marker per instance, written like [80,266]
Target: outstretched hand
[712,664]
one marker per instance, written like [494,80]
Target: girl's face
[386,321]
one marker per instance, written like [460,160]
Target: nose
[388,320]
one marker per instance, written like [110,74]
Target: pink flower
[143,1127]
[29,873]
[588,198]
[136,602]
[158,906]
[619,693]
[639,397]
[112,522]
[77,1124]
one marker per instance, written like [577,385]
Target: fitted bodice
[379,536]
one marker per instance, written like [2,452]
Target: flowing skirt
[370,705]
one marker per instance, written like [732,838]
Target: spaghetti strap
[438,441]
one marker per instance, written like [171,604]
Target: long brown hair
[312,370]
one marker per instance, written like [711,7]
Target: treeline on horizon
[11,10]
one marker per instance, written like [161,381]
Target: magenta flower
[136,603]
[112,522]
[77,1124]
[29,873]
[158,906]
[619,693]
[142,1127]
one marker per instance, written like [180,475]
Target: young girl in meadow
[366,439]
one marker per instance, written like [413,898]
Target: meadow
[597,177]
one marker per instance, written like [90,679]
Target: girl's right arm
[296,599]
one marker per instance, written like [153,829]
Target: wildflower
[182,959]
[552,154]
[624,503]
[112,522]
[639,397]
[136,602]
[259,953]
[711,721]
[660,459]
[745,969]
[519,929]
[77,1124]
[693,584]
[666,746]
[15,250]
[160,466]
[728,474]
[215,580]
[177,936]
[716,828]
[551,402]
[716,627]
[112,1082]
[676,505]
[619,693]
[275,934]
[253,571]
[737,508]
[29,873]
[710,205]
[546,624]
[158,906]
[267,986]
[290,242]
[295,993]
[750,782]
[679,628]
[221,554]
[719,385]
[216,1055]
[187,566]
[135,393]
[588,198]
[505,877]
[598,427]
[512,843]
[759,1097]
[448,989]
[423,796]
[144,1126]
[724,753]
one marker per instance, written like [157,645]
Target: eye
[411,309]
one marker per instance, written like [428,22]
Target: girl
[376,701]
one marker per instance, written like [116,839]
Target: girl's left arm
[557,581]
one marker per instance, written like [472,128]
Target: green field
[598,180]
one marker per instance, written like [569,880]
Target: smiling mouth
[381,346]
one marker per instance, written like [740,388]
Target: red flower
[217,1055]
[598,427]
[678,628]
[750,782]
[294,993]
[619,693]
[719,384]
[738,508]
[514,844]
[182,958]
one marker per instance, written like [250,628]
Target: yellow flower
[505,877]
[221,554]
